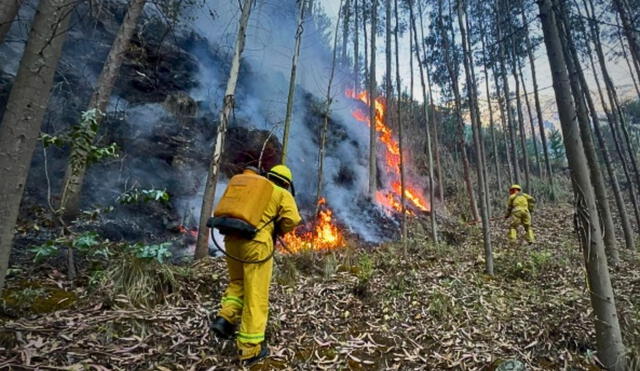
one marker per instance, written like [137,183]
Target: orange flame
[390,199]
[324,235]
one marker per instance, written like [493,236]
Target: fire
[321,234]
[389,199]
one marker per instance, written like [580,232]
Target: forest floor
[356,308]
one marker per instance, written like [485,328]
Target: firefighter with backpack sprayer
[519,208]
[252,212]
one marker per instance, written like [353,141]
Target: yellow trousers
[521,217]
[246,299]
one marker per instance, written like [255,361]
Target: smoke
[262,95]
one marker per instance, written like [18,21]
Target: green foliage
[557,148]
[137,195]
[531,268]
[80,138]
[28,295]
[158,252]
[87,244]
[365,268]
[46,250]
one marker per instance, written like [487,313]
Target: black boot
[264,353]
[223,328]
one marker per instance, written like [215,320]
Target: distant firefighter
[252,212]
[519,208]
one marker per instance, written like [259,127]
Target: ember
[320,234]
[390,198]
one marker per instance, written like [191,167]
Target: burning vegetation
[319,234]
[390,198]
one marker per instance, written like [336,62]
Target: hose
[215,243]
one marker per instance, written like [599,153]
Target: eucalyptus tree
[611,350]
[445,56]
[24,112]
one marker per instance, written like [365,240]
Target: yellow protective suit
[246,299]
[519,208]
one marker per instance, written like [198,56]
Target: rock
[511,365]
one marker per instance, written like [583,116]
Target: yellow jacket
[520,201]
[283,207]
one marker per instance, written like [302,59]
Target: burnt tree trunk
[76,170]
[208,198]
[292,80]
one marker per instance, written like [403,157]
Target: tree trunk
[434,227]
[292,80]
[25,109]
[346,9]
[326,113]
[356,51]
[76,170]
[8,12]
[505,129]
[432,117]
[602,199]
[373,180]
[629,30]
[477,127]
[543,134]
[492,127]
[530,114]
[613,99]
[523,134]
[387,52]
[626,58]
[611,350]
[624,218]
[458,109]
[507,104]
[208,198]
[366,46]
[403,219]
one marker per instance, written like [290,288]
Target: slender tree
[373,95]
[425,105]
[403,220]
[433,118]
[452,71]
[76,170]
[626,57]
[595,120]
[611,350]
[346,11]
[612,115]
[8,12]
[536,97]
[602,199]
[25,109]
[520,115]
[292,79]
[515,173]
[477,127]
[208,198]
[530,115]
[326,113]
[356,49]
[630,31]
[492,128]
